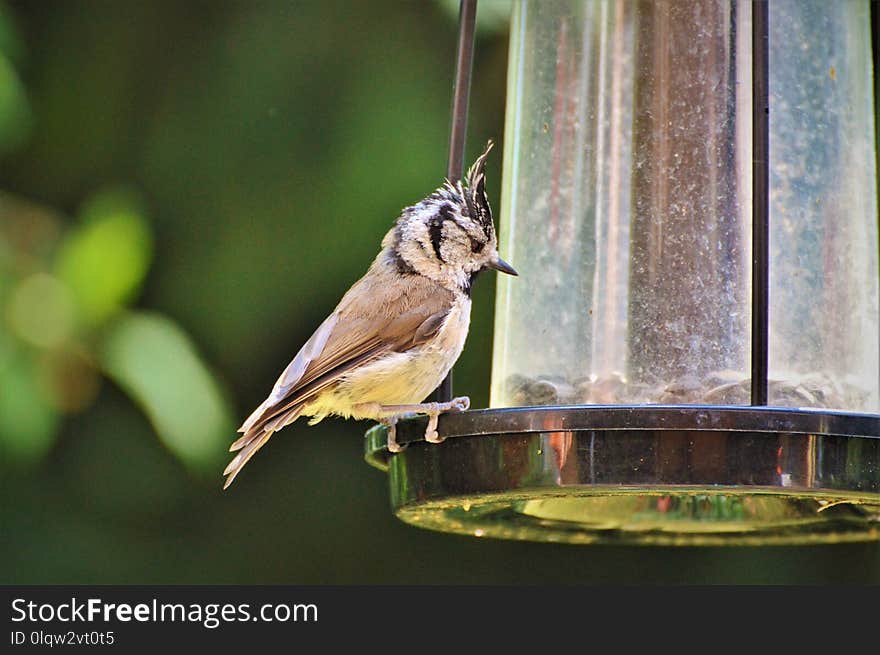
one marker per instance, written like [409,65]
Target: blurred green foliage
[14,110]
[154,360]
[186,190]
[61,283]
[104,260]
[59,299]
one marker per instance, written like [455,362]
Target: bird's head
[449,236]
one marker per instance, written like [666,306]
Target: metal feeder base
[668,475]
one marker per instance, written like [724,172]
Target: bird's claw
[434,437]
[460,404]
[431,434]
[392,445]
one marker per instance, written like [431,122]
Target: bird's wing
[375,317]
[296,369]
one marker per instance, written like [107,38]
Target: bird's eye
[477,245]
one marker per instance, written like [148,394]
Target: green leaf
[104,260]
[156,363]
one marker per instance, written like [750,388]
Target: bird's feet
[432,411]
[390,422]
[393,413]
[459,404]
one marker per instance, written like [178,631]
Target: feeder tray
[666,475]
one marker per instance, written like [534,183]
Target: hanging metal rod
[461,91]
[760,199]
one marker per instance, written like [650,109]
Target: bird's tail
[255,437]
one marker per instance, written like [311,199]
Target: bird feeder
[691,354]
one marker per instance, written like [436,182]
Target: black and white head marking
[441,226]
[449,236]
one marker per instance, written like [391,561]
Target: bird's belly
[397,379]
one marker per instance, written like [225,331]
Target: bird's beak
[500,265]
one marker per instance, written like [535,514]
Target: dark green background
[273,144]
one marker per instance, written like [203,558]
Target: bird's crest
[475,196]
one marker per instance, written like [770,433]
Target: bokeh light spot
[40,310]
[104,260]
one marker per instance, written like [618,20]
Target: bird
[396,333]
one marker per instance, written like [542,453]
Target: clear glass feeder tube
[627,199]
[824,344]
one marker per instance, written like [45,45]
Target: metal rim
[722,418]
